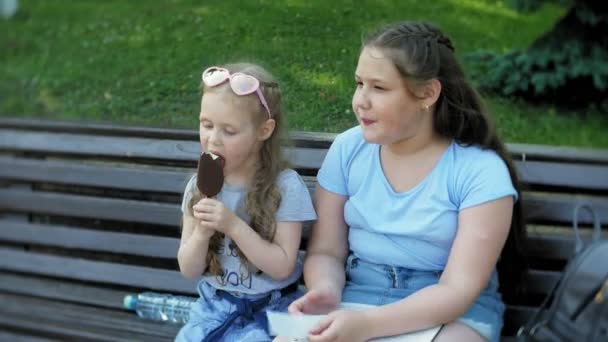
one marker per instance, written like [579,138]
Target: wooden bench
[90,213]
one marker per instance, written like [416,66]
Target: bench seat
[90,213]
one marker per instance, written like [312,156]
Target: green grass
[139,63]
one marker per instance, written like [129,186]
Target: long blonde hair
[263,196]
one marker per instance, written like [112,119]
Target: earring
[425,107]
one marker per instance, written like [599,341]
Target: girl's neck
[414,145]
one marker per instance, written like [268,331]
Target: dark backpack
[577,307]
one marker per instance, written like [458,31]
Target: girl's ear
[265,130]
[430,92]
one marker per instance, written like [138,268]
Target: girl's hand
[316,301]
[214,215]
[342,326]
[201,232]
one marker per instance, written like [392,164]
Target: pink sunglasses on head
[241,84]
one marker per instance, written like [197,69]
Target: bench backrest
[89,213]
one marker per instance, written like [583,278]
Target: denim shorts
[214,307]
[376,284]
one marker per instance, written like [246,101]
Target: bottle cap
[129,302]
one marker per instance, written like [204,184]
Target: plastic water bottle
[160,306]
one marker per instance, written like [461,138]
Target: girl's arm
[328,245]
[276,258]
[192,253]
[327,251]
[482,232]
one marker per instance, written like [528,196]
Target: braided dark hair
[421,52]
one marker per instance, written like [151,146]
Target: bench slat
[307,139]
[551,247]
[90,207]
[121,322]
[549,209]
[541,282]
[133,179]
[99,146]
[95,271]
[78,321]
[169,151]
[85,239]
[84,127]
[558,153]
[18,337]
[67,291]
[539,209]
[576,176]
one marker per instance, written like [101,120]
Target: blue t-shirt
[296,205]
[416,228]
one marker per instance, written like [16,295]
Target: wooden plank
[312,139]
[78,322]
[94,318]
[300,138]
[558,153]
[550,209]
[517,151]
[173,151]
[86,239]
[83,127]
[99,146]
[90,207]
[297,138]
[551,247]
[77,173]
[50,327]
[304,158]
[66,291]
[19,337]
[541,282]
[17,217]
[308,139]
[95,271]
[576,176]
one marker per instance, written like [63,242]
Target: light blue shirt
[416,228]
[296,205]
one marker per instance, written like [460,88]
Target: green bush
[566,66]
[546,75]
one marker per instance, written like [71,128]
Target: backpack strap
[597,229]
[533,323]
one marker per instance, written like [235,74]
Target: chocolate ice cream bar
[210,174]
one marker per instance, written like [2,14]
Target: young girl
[244,242]
[417,200]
